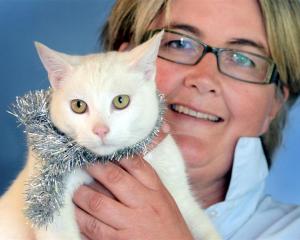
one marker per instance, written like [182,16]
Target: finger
[83,237]
[142,171]
[103,208]
[123,186]
[92,228]
[98,187]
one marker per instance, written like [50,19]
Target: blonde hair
[130,19]
[282,23]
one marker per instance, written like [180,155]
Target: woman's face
[245,109]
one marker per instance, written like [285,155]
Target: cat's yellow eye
[121,101]
[78,106]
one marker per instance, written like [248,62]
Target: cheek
[251,110]
[75,126]
[166,79]
[59,111]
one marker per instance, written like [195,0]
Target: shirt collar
[249,167]
[246,187]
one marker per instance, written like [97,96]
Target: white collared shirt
[247,213]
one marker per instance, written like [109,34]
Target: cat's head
[104,101]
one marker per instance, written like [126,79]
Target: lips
[200,115]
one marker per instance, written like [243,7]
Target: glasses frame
[272,74]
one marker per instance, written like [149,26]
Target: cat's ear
[145,55]
[55,64]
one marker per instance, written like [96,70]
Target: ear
[276,107]
[55,64]
[123,47]
[144,56]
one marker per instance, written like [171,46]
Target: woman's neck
[209,193]
[208,168]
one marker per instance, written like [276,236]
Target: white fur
[97,79]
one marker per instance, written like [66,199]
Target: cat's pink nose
[101,131]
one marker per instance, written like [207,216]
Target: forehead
[219,21]
[108,72]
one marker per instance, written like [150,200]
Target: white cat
[104,102]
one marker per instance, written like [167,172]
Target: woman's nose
[204,77]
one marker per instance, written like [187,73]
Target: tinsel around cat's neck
[59,154]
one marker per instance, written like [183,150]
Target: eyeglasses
[240,65]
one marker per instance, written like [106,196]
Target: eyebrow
[185,27]
[235,41]
[248,42]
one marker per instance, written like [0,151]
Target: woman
[237,107]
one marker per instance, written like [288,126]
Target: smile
[187,111]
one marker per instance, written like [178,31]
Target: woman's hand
[132,203]
[141,207]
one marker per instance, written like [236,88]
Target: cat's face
[105,102]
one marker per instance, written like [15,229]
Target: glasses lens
[179,48]
[244,66]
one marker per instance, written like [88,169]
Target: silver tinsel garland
[59,155]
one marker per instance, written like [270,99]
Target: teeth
[190,112]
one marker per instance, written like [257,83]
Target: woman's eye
[242,60]
[121,102]
[179,44]
[78,106]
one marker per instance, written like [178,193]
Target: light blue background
[72,26]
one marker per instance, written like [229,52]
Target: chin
[104,150]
